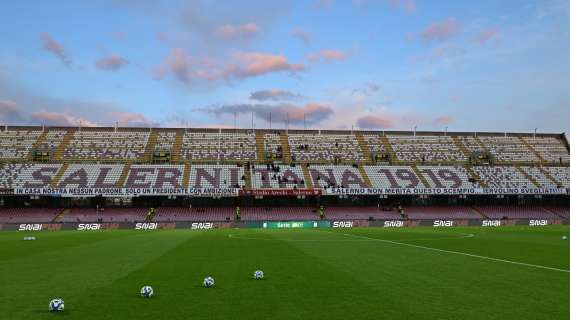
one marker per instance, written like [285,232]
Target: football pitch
[368,273]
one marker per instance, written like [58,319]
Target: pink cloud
[126,118]
[441,31]
[487,35]
[443,120]
[161,37]
[311,112]
[374,122]
[51,45]
[111,63]
[8,107]
[406,5]
[328,56]
[302,34]
[63,119]
[237,66]
[231,32]
[455,98]
[323,4]
[118,35]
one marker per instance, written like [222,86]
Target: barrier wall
[141,226]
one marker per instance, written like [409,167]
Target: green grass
[310,274]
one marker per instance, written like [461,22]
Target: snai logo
[343,224]
[202,225]
[491,223]
[536,223]
[443,223]
[146,226]
[30,227]
[393,224]
[88,226]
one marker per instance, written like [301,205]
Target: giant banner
[442,191]
[128,192]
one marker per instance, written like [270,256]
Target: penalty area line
[462,254]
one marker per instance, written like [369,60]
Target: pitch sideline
[462,254]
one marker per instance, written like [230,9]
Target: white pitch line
[462,254]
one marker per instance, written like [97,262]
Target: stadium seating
[325,147]
[91,176]
[502,177]
[439,212]
[360,213]
[393,177]
[447,177]
[234,146]
[17,144]
[515,212]
[28,215]
[172,214]
[277,177]
[426,149]
[278,213]
[217,176]
[27,175]
[327,176]
[155,176]
[106,145]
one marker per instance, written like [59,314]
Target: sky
[464,65]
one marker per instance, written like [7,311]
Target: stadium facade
[66,177]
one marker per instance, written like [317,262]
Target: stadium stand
[515,212]
[324,147]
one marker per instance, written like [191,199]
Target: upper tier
[145,145]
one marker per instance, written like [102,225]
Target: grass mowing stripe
[461,253]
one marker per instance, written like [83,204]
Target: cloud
[310,113]
[51,45]
[111,63]
[9,111]
[237,32]
[237,66]
[60,119]
[322,4]
[441,31]
[372,122]
[274,95]
[131,119]
[443,120]
[487,35]
[328,56]
[406,5]
[161,37]
[302,34]
[118,35]
[368,89]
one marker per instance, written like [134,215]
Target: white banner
[128,192]
[440,191]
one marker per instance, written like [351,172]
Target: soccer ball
[564,237]
[208,282]
[147,292]
[258,274]
[56,305]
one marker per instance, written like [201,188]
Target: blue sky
[370,64]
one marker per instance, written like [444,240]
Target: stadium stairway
[307,175]
[37,144]
[479,212]
[186,175]
[58,153]
[549,176]
[55,180]
[554,213]
[529,147]
[481,144]
[364,176]
[247,173]
[364,148]
[388,147]
[124,175]
[177,147]
[420,175]
[59,217]
[260,146]
[528,176]
[461,147]
[475,177]
[150,145]
[285,147]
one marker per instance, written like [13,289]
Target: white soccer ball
[564,238]
[56,305]
[147,292]
[258,274]
[209,282]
